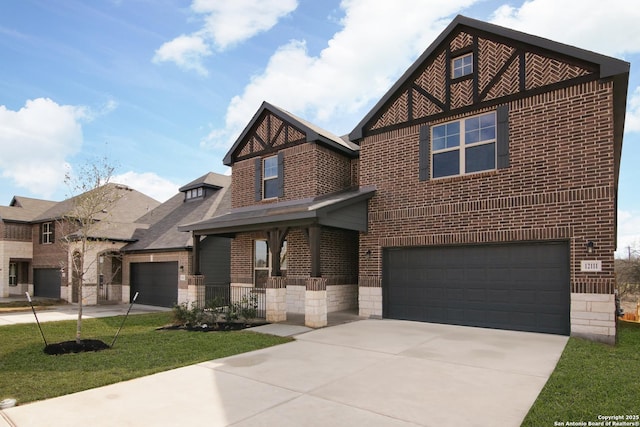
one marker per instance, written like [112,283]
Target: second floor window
[464,146]
[270,177]
[47,232]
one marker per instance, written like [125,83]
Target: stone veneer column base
[593,317]
[370,302]
[315,303]
[276,299]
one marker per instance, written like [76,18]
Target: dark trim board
[518,286]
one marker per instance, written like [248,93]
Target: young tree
[86,221]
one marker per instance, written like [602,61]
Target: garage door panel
[156,282]
[516,286]
[46,282]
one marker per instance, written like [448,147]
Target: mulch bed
[74,347]
[218,326]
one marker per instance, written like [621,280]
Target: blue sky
[163,87]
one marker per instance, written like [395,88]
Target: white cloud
[35,142]
[377,42]
[186,51]
[628,232]
[607,27]
[148,183]
[632,120]
[230,22]
[226,23]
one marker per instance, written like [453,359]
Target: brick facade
[309,170]
[559,187]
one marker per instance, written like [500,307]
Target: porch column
[196,254]
[315,302]
[276,299]
[276,238]
[314,248]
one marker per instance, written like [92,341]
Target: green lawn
[28,374]
[592,379]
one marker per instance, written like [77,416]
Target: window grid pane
[270,167]
[462,66]
[477,133]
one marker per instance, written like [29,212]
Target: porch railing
[224,294]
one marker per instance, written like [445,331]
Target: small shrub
[184,315]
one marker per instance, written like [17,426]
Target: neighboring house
[481,190]
[16,244]
[158,263]
[55,245]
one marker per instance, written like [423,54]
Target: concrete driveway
[365,373]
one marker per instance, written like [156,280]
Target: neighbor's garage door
[523,287]
[156,282]
[46,282]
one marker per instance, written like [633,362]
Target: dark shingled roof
[313,132]
[24,209]
[163,234]
[324,210]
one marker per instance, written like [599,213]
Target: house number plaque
[591,266]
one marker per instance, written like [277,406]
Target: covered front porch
[309,268]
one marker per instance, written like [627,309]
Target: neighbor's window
[195,193]
[270,177]
[464,146]
[462,66]
[47,232]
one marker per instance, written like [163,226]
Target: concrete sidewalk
[368,372]
[70,312]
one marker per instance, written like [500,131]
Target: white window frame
[266,177]
[463,146]
[47,233]
[458,64]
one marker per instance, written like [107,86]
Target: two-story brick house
[496,203]
[16,244]
[480,190]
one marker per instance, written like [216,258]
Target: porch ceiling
[346,210]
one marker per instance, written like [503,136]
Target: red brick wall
[309,170]
[559,186]
[50,255]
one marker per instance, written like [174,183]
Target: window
[270,177]
[13,274]
[195,193]
[462,66]
[464,146]
[262,262]
[47,232]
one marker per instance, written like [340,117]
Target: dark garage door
[46,282]
[523,287]
[156,282]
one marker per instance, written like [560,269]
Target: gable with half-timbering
[269,134]
[500,69]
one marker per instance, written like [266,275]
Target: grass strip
[591,380]
[28,374]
